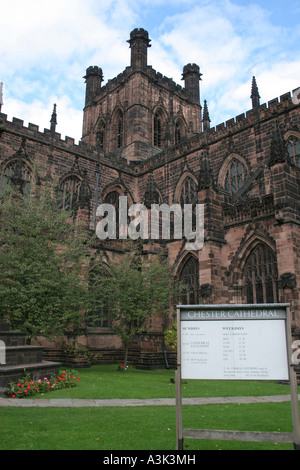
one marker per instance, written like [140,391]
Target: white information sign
[234,343]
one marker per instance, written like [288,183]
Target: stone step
[37,371]
[12,338]
[16,355]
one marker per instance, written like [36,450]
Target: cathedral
[149,139]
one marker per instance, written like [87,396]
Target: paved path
[68,402]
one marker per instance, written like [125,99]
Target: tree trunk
[126,355]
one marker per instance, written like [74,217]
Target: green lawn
[106,381]
[142,428]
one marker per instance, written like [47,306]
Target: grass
[105,381]
[142,428]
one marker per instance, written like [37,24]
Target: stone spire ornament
[205,119]
[53,120]
[255,94]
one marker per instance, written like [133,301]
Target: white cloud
[39,113]
[46,48]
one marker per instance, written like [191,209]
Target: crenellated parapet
[273,109]
[46,137]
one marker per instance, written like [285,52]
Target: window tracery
[189,278]
[157,129]
[293,149]
[69,194]
[18,172]
[100,138]
[188,191]
[260,276]
[236,176]
[98,316]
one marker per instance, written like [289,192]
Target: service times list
[234,349]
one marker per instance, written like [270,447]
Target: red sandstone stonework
[148,138]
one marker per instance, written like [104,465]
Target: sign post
[235,342]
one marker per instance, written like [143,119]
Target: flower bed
[28,387]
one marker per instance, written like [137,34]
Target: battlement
[262,113]
[32,131]
[239,123]
[157,77]
[139,33]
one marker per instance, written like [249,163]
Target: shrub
[27,387]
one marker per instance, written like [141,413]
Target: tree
[133,289]
[42,253]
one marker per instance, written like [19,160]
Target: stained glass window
[17,171]
[69,194]
[101,136]
[120,131]
[188,192]
[189,278]
[260,275]
[236,176]
[294,151]
[99,312]
[178,133]
[157,130]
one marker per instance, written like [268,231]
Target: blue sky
[47,46]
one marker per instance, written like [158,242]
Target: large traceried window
[189,278]
[18,172]
[293,148]
[188,191]
[260,276]
[98,316]
[236,176]
[112,198]
[69,194]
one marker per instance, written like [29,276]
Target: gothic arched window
[179,131]
[69,194]
[236,176]
[157,129]
[100,138]
[178,134]
[189,279]
[293,148]
[112,198]
[18,172]
[120,131]
[188,191]
[98,315]
[260,276]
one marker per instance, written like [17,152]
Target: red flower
[13,396]
[25,391]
